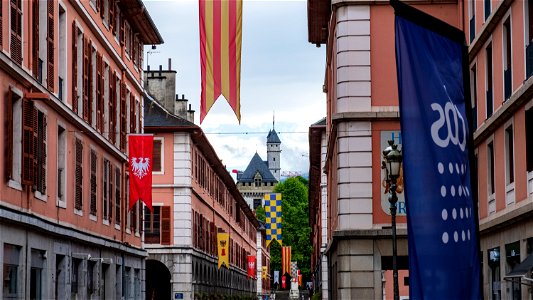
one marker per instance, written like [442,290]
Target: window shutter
[50,45]
[118,180]
[86,79]
[16,31]
[74,67]
[112,106]
[9,142]
[110,193]
[105,191]
[165,225]
[90,82]
[101,4]
[122,35]
[133,224]
[99,93]
[28,142]
[112,21]
[134,49]
[132,113]
[40,130]
[123,117]
[93,182]
[35,48]
[156,167]
[79,175]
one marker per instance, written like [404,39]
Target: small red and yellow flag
[223,247]
[264,271]
[220,53]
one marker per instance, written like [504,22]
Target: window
[14,137]
[152,221]
[158,155]
[93,78]
[487,4]
[94,161]
[473,95]
[118,181]
[78,50]
[529,37]
[118,282]
[107,100]
[472,13]
[36,274]
[62,59]
[60,277]
[78,205]
[490,176]
[489,100]
[40,156]
[91,283]
[529,139]
[75,277]
[507,62]
[127,282]
[10,272]
[16,31]
[50,45]
[61,164]
[136,284]
[509,155]
[107,191]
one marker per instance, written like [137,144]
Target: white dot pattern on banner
[445,238]
[457,213]
[440,166]
[444,214]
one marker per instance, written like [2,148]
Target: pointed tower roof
[257,165]
[272,137]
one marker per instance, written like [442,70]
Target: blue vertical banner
[442,221]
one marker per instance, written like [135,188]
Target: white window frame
[491,197]
[62,162]
[62,53]
[42,109]
[509,186]
[162,139]
[16,182]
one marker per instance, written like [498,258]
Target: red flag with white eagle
[251,266]
[140,160]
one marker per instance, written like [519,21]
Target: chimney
[170,64]
[160,70]
[190,114]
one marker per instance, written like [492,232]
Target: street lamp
[393,163]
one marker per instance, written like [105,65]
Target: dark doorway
[157,281]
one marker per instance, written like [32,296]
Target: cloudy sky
[281,75]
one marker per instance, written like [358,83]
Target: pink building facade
[194,198]
[70,92]
[351,218]
[499,34]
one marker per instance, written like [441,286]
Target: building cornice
[512,214]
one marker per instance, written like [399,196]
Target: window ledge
[93,217]
[14,185]
[117,226]
[40,196]
[78,212]
[61,203]
[105,222]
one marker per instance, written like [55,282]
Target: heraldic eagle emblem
[140,166]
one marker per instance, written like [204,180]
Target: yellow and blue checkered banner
[273,218]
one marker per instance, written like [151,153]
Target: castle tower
[274,153]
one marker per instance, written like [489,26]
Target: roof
[272,137]
[522,268]
[135,11]
[157,116]
[257,165]
[318,15]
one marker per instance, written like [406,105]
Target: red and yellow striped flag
[220,53]
[285,259]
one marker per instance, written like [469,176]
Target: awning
[521,269]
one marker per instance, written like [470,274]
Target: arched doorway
[157,280]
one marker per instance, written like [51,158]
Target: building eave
[141,21]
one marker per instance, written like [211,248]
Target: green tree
[295,225]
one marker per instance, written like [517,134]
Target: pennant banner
[285,259]
[140,167]
[251,266]
[283,282]
[299,280]
[294,269]
[441,218]
[223,246]
[264,272]
[220,53]
[276,276]
[273,218]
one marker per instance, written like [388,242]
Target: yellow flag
[223,246]
[264,272]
